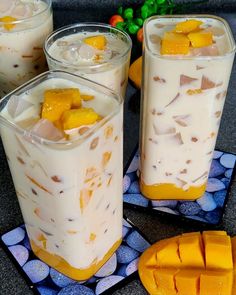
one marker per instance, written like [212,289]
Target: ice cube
[17,106]
[211,50]
[71,53]
[21,11]
[107,54]
[5,6]
[86,52]
[216,31]
[46,129]
[155,39]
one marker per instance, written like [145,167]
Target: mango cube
[87,97]
[98,42]
[168,255]
[7,20]
[219,283]
[187,282]
[57,101]
[78,117]
[218,252]
[188,26]
[200,39]
[189,245]
[174,43]
[165,280]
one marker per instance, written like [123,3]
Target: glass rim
[189,16]
[79,25]
[22,20]
[68,143]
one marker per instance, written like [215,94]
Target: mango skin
[159,277]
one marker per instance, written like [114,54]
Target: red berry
[115,19]
[140,35]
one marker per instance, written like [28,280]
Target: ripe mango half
[190,264]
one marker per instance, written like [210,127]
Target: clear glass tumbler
[182,103]
[65,50]
[24,26]
[70,189]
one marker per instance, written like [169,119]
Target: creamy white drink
[68,183]
[24,26]
[182,102]
[108,65]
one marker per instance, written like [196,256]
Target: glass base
[64,267]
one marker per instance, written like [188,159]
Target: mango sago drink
[187,66]
[63,138]
[24,26]
[96,51]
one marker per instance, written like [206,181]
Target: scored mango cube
[188,26]
[78,117]
[57,101]
[99,42]
[200,39]
[174,43]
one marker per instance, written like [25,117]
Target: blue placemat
[45,280]
[208,209]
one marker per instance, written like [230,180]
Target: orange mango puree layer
[168,191]
[64,267]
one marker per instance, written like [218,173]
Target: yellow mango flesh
[57,101]
[187,26]
[200,39]
[194,272]
[98,42]
[7,20]
[166,191]
[174,43]
[78,117]
[135,72]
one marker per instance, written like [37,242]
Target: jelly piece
[215,245]
[216,283]
[99,42]
[187,282]
[188,26]
[200,39]
[57,101]
[78,117]
[174,43]
[8,22]
[189,245]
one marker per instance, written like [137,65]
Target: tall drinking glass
[106,63]
[24,26]
[182,102]
[69,184]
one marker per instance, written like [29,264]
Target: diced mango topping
[57,101]
[185,35]
[78,117]
[191,264]
[7,20]
[98,42]
[200,39]
[174,43]
[188,26]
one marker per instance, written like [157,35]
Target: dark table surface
[155,227]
